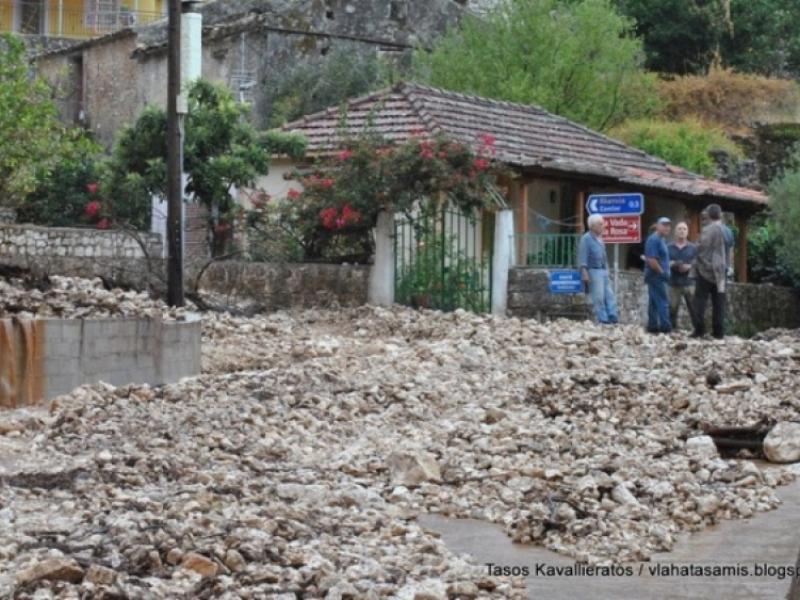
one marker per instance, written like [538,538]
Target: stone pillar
[501,261]
[381,278]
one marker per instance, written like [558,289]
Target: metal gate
[443,260]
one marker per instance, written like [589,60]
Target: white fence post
[381,279]
[501,261]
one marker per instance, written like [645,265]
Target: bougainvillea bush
[332,218]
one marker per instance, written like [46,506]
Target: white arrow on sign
[593,205]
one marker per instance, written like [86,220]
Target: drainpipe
[60,17]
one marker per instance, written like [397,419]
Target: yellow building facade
[76,18]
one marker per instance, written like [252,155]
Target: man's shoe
[695,335]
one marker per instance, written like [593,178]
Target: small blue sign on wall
[615,204]
[566,282]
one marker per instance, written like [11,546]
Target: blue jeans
[658,306]
[604,302]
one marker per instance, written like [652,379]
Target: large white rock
[782,444]
[701,447]
[413,468]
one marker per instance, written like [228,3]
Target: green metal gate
[443,260]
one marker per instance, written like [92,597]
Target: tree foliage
[686,144]
[222,151]
[575,58]
[785,205]
[332,218]
[309,87]
[32,140]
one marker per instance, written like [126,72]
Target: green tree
[313,86]
[575,58]
[785,205]
[766,37]
[687,143]
[222,151]
[680,36]
[32,140]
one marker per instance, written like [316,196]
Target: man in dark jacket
[711,268]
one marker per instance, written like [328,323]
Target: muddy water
[771,538]
[21,362]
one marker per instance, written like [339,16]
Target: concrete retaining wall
[750,308]
[45,358]
[80,252]
[277,286]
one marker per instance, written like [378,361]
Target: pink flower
[92,188]
[345,155]
[93,209]
[326,183]
[104,224]
[293,194]
[487,139]
[481,164]
[328,217]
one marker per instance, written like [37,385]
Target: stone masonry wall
[275,286]
[80,252]
[750,308]
[45,358]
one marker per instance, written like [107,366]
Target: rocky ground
[295,465]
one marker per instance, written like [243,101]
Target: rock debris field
[295,466]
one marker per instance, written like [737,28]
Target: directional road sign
[566,282]
[615,204]
[623,229]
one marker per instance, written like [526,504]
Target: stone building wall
[80,252]
[751,308]
[273,286]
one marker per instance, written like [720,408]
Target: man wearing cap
[656,276]
[594,271]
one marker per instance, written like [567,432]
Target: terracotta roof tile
[525,136]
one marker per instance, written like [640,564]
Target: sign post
[622,215]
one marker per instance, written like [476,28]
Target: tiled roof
[525,137]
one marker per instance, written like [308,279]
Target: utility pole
[175,292]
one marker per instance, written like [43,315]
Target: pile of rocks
[297,463]
[76,298]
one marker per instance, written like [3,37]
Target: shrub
[785,205]
[686,144]
[764,264]
[728,99]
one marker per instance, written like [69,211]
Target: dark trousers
[702,289]
[658,307]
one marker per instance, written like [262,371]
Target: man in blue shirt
[682,254]
[656,276]
[594,271]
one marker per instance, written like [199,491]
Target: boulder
[782,444]
[413,468]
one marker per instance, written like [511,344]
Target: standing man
[594,271]
[711,269]
[656,276]
[682,254]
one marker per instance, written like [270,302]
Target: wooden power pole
[175,291]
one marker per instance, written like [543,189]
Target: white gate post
[501,261]
[381,278]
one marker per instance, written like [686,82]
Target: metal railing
[547,250]
[49,19]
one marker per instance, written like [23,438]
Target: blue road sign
[566,282]
[615,204]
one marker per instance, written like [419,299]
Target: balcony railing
[48,19]
[547,250]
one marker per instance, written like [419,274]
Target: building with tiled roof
[558,162]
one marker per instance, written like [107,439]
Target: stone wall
[750,308]
[80,252]
[277,286]
[44,358]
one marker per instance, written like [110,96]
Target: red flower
[92,209]
[328,217]
[326,183]
[481,164]
[345,155]
[350,216]
[92,188]
[487,139]
[104,224]
[293,194]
